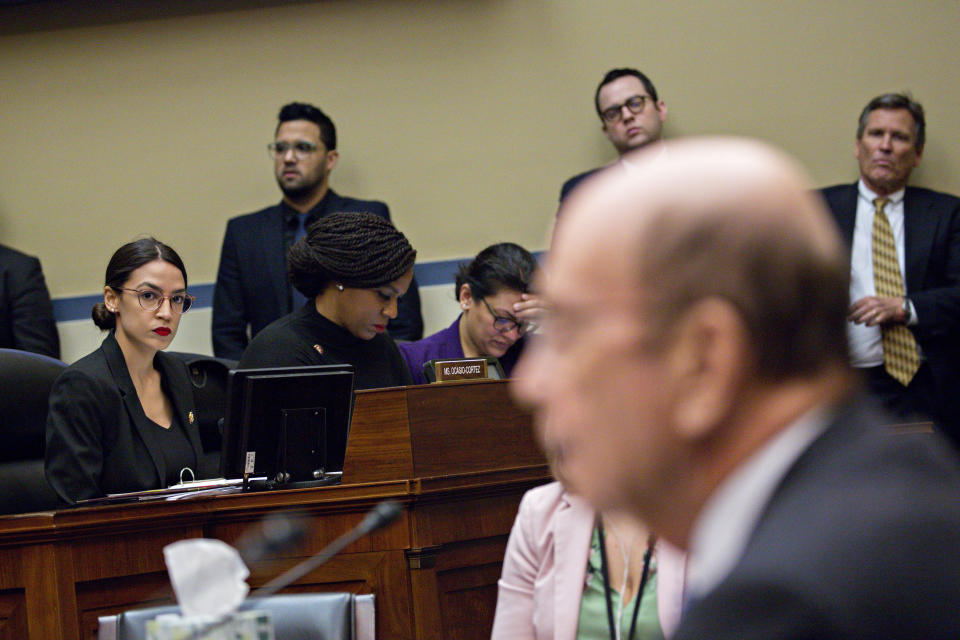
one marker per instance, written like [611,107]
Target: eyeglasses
[301,149]
[506,324]
[614,113]
[151,300]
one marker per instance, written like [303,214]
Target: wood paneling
[379,444]
[468,426]
[13,615]
[438,430]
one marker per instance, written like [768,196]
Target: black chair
[25,383]
[209,376]
[300,616]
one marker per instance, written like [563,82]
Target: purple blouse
[446,344]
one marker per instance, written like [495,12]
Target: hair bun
[103,317]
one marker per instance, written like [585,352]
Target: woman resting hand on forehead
[490,289]
[352,267]
[122,418]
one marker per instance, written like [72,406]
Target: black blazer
[252,286]
[26,315]
[569,185]
[859,540]
[931,225]
[99,440]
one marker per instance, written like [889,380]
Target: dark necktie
[298,298]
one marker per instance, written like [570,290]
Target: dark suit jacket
[932,246]
[252,286]
[26,315]
[859,540]
[571,183]
[99,440]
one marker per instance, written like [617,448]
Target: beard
[300,188]
[296,192]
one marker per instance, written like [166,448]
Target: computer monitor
[289,424]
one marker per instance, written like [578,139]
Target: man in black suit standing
[905,317]
[252,289]
[631,116]
[26,315]
[692,370]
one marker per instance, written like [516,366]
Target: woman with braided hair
[352,267]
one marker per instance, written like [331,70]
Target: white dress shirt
[866,346]
[724,525]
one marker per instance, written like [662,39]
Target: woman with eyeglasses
[122,419]
[489,288]
[352,268]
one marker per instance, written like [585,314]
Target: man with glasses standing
[252,289]
[631,115]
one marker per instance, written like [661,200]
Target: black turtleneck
[306,338]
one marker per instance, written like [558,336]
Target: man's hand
[872,310]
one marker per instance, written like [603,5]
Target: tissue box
[245,625]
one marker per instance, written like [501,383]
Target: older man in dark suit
[26,315]
[692,370]
[905,269]
[252,288]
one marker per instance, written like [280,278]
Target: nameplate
[461,369]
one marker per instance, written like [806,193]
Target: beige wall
[465,116]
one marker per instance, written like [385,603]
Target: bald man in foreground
[693,372]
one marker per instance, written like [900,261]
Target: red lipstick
[380,327]
[162,331]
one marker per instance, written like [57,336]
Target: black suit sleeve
[31,312]
[572,183]
[568,187]
[758,611]
[74,455]
[938,302]
[408,325]
[230,317]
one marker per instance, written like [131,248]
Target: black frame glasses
[505,324]
[301,149]
[636,104]
[150,300]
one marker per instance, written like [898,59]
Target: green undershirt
[593,605]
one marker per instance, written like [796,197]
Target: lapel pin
[190,416]
[318,348]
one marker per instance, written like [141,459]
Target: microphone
[380,516]
[275,533]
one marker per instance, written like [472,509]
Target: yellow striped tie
[900,357]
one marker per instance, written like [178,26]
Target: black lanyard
[606,581]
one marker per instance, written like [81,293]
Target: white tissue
[208,576]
